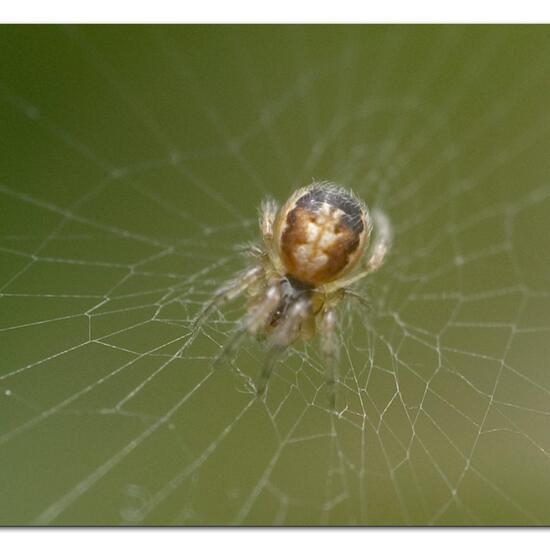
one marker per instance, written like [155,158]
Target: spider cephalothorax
[314,249]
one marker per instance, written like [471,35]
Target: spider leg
[289,328]
[359,298]
[254,321]
[330,351]
[382,241]
[271,360]
[268,212]
[379,251]
[268,216]
[285,333]
[229,291]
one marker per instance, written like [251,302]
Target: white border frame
[275,11]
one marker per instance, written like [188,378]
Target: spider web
[133,163]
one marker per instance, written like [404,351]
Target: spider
[314,250]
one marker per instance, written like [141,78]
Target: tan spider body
[314,248]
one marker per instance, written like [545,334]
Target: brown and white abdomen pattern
[322,234]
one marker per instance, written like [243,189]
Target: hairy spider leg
[252,323]
[330,352]
[283,335]
[231,290]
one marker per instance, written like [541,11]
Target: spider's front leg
[254,322]
[228,292]
[330,351]
[283,336]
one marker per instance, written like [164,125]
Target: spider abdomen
[322,232]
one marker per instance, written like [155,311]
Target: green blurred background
[132,163]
